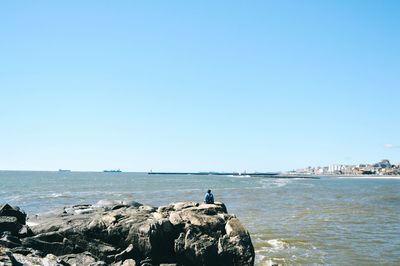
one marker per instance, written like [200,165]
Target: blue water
[327,221]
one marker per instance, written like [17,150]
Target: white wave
[276,244]
[282,182]
[275,183]
[51,195]
[240,176]
[274,261]
[263,260]
[259,259]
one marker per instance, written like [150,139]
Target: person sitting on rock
[209,197]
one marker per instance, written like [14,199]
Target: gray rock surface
[127,234]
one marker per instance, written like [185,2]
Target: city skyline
[384,167]
[227,86]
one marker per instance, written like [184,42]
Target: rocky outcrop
[127,233]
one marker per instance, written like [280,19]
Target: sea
[292,221]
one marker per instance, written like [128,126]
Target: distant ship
[63,170]
[112,171]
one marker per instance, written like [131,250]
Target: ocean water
[326,221]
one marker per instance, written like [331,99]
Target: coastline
[341,176]
[368,176]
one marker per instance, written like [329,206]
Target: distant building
[335,168]
[349,170]
[383,164]
[384,167]
[319,170]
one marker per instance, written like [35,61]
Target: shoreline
[369,176]
[344,176]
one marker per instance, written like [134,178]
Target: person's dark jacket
[209,198]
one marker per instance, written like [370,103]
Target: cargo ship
[112,171]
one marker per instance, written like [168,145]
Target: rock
[147,208]
[6,257]
[165,209]
[183,205]
[146,262]
[81,259]
[129,252]
[26,251]
[81,206]
[9,224]
[25,231]
[7,210]
[84,211]
[196,249]
[236,250]
[234,228]
[107,203]
[132,203]
[52,242]
[125,234]
[203,217]
[79,209]
[48,260]
[129,262]
[212,209]
[10,241]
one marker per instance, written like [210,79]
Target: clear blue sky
[198,85]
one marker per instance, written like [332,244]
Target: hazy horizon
[198,86]
[177,171]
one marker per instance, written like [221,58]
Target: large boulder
[129,233]
[13,221]
[9,224]
[7,210]
[230,245]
